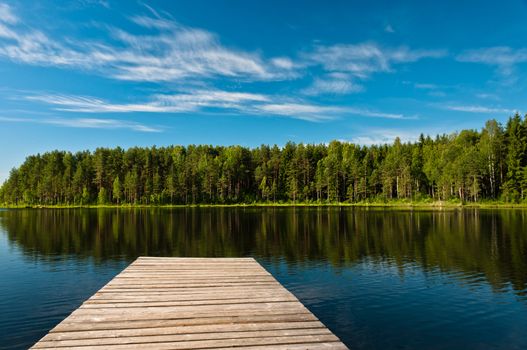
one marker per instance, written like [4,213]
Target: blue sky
[94,73]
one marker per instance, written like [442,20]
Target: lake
[379,279]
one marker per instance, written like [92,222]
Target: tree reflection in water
[490,243]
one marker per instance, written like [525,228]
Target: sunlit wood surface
[191,303]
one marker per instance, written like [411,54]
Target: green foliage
[85,199]
[102,197]
[117,192]
[469,166]
[516,139]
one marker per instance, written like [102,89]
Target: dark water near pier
[379,279]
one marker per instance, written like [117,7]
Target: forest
[467,166]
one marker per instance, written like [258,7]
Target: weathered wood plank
[191,303]
[96,304]
[129,316]
[239,327]
[209,344]
[138,296]
[197,309]
[69,326]
[183,337]
[203,282]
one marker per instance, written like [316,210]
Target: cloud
[86,104]
[303,111]
[346,63]
[168,51]
[180,52]
[90,123]
[499,56]
[364,59]
[283,62]
[34,47]
[336,83]
[375,114]
[199,100]
[175,103]
[246,103]
[426,86]
[389,29]
[433,89]
[213,98]
[384,136]
[487,96]
[479,109]
[313,112]
[503,58]
[102,3]
[94,123]
[7,15]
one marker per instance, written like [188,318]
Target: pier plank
[191,303]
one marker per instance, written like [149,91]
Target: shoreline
[373,205]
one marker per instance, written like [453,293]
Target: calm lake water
[379,279]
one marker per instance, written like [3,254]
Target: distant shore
[379,205]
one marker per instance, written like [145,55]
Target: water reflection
[469,245]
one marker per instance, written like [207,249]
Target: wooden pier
[191,303]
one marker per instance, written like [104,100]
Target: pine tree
[102,197]
[515,160]
[117,191]
[85,199]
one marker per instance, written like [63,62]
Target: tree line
[471,165]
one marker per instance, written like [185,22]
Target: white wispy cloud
[211,98]
[478,109]
[376,114]
[344,64]
[303,111]
[283,62]
[487,96]
[364,59]
[433,89]
[174,103]
[333,83]
[498,55]
[7,15]
[34,47]
[89,123]
[504,58]
[244,103]
[198,100]
[384,136]
[169,52]
[14,120]
[88,104]
[312,112]
[95,123]
[102,3]
[426,86]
